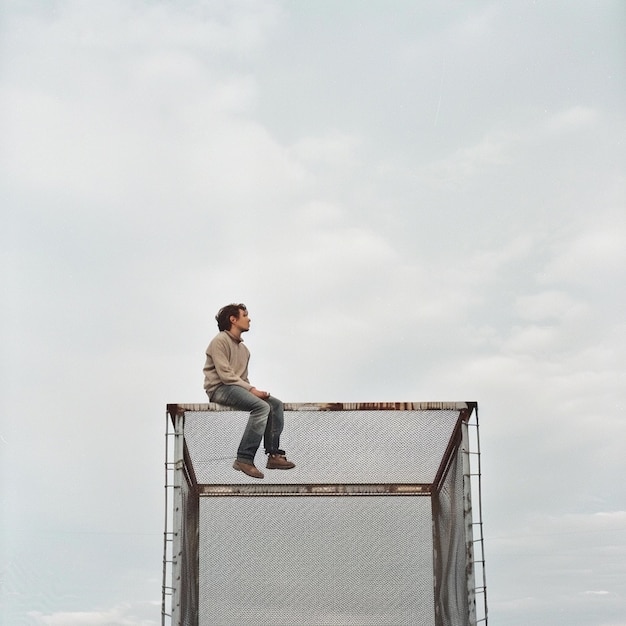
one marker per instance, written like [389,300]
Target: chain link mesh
[326,561]
[328,446]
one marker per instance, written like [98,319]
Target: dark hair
[224,314]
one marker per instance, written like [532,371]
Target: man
[226,382]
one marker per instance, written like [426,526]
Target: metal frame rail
[175,461]
[176,474]
[472,476]
[168,533]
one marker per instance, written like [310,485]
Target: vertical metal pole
[177,550]
[479,523]
[167,538]
[164,575]
[467,520]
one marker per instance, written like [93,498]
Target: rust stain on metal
[317,489]
[377,406]
[465,407]
[175,409]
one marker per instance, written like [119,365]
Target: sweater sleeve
[230,362]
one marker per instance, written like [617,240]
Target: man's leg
[274,427]
[273,430]
[240,398]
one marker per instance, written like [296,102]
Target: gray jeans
[266,420]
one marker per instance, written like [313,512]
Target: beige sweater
[226,363]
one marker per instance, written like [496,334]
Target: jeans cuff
[242,459]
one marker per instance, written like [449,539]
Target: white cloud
[549,306]
[576,118]
[589,256]
[335,150]
[490,154]
[122,615]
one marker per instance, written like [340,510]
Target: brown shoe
[248,468]
[279,461]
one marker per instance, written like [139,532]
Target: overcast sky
[416,200]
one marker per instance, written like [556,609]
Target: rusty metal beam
[316,489]
[453,444]
[465,408]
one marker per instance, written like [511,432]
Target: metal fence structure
[379,523]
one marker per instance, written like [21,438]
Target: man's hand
[264,395]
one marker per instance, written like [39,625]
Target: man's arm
[220,352]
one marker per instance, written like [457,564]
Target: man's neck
[235,333]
